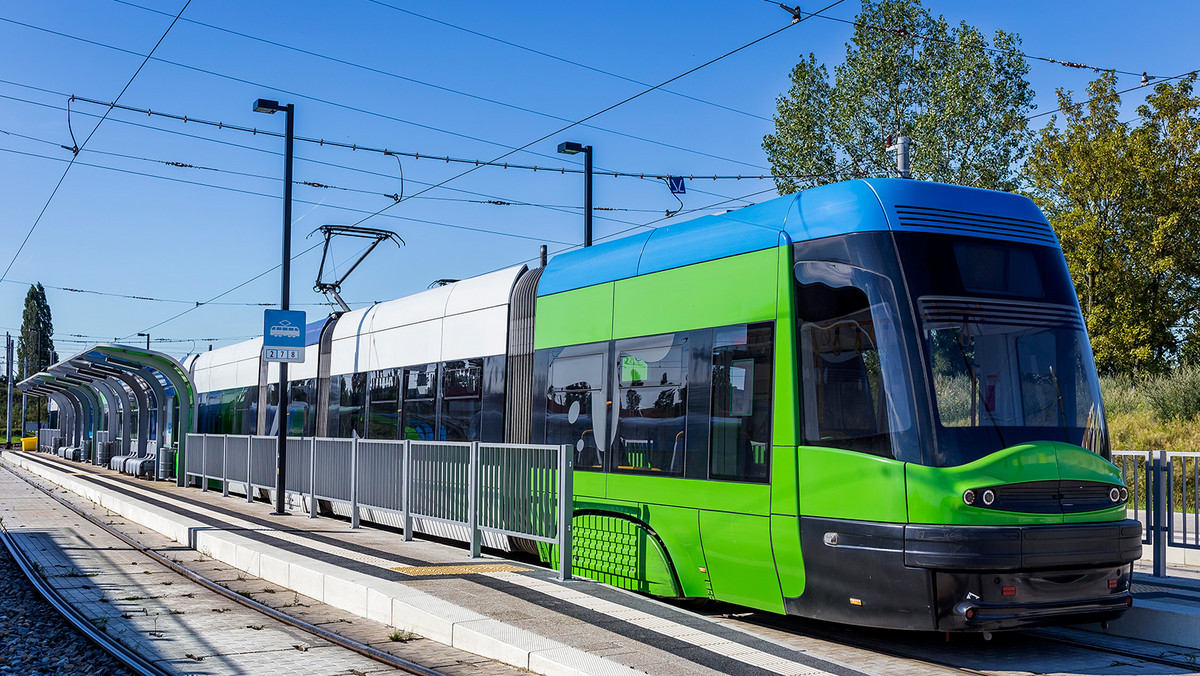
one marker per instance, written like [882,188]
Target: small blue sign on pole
[283,335]
[675,183]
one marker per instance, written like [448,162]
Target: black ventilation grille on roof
[972,224]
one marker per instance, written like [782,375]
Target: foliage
[1175,397]
[1123,200]
[1151,415]
[1120,396]
[962,102]
[35,345]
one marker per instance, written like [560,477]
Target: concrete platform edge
[410,610]
[1170,624]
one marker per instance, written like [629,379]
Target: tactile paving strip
[461,570]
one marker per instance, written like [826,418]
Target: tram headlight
[1124,494]
[989,496]
[969,497]
[1114,494]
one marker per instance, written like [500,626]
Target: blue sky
[118,225]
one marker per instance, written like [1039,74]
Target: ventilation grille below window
[1053,497]
[977,225]
[943,310]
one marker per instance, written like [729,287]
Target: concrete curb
[392,603]
[1162,620]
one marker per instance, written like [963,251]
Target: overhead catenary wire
[568,61]
[276,153]
[243,191]
[1084,102]
[76,150]
[901,32]
[328,102]
[573,124]
[446,159]
[153,299]
[611,107]
[432,85]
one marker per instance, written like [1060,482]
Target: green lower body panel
[618,551]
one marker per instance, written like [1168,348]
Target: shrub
[1120,396]
[1175,396]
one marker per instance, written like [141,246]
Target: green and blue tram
[872,402]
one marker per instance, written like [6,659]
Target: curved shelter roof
[82,378]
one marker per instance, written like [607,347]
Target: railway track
[1034,651]
[138,662]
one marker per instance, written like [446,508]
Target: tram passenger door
[735,528]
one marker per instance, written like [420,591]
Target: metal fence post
[354,481]
[566,508]
[204,467]
[224,470]
[249,465]
[1161,512]
[312,478]
[406,488]
[473,499]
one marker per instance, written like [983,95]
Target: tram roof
[868,205]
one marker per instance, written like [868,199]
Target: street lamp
[147,335]
[272,107]
[572,148]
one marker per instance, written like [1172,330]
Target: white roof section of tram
[465,319]
[228,367]
[468,318]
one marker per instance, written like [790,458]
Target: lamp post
[271,107]
[8,377]
[572,148]
[147,335]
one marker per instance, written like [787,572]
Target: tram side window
[272,409]
[420,404]
[652,396]
[383,413]
[845,402]
[302,401]
[346,409]
[576,407]
[741,402]
[235,412]
[462,399]
[207,423]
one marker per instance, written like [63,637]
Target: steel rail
[128,657]
[881,646]
[337,639]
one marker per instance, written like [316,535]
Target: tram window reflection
[575,406]
[741,402]
[652,400]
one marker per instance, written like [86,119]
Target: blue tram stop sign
[283,335]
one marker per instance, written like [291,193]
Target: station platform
[509,611]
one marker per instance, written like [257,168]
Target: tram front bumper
[992,601]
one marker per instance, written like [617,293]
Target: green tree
[1125,202]
[35,345]
[961,101]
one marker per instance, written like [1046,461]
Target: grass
[402,636]
[1161,413]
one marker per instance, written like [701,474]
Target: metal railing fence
[1164,494]
[518,490]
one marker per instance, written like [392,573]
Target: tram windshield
[1007,354]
